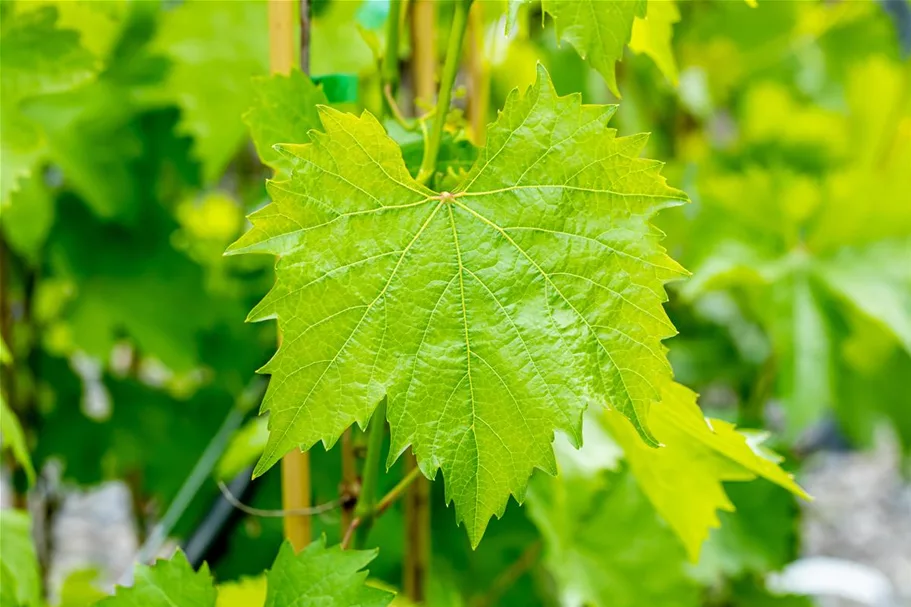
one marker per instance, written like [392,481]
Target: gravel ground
[93,529]
[862,513]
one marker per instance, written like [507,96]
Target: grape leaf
[597,29]
[216,47]
[246,592]
[324,577]
[14,439]
[652,36]
[797,243]
[165,584]
[490,316]
[876,280]
[283,111]
[683,479]
[94,132]
[20,576]
[758,537]
[28,217]
[605,545]
[11,434]
[36,58]
[316,577]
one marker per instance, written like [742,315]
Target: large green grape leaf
[597,29]
[216,47]
[683,479]
[36,58]
[491,315]
[322,577]
[20,576]
[605,545]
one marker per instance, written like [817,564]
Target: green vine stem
[365,521]
[366,502]
[389,70]
[450,69]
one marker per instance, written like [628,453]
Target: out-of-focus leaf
[799,327]
[246,592]
[20,576]
[283,111]
[652,36]
[79,589]
[95,133]
[216,49]
[747,593]
[136,286]
[98,23]
[245,447]
[322,577]
[683,478]
[144,433]
[605,545]
[533,289]
[757,538]
[14,439]
[165,584]
[876,280]
[28,217]
[36,58]
[336,44]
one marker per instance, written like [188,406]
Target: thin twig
[232,499]
[396,111]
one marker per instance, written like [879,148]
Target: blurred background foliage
[127,170]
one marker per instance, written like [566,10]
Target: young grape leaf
[683,479]
[165,584]
[14,439]
[317,577]
[283,111]
[20,576]
[605,545]
[322,577]
[11,434]
[490,316]
[652,36]
[36,58]
[597,29]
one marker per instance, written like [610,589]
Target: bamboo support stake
[296,464]
[423,50]
[478,71]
